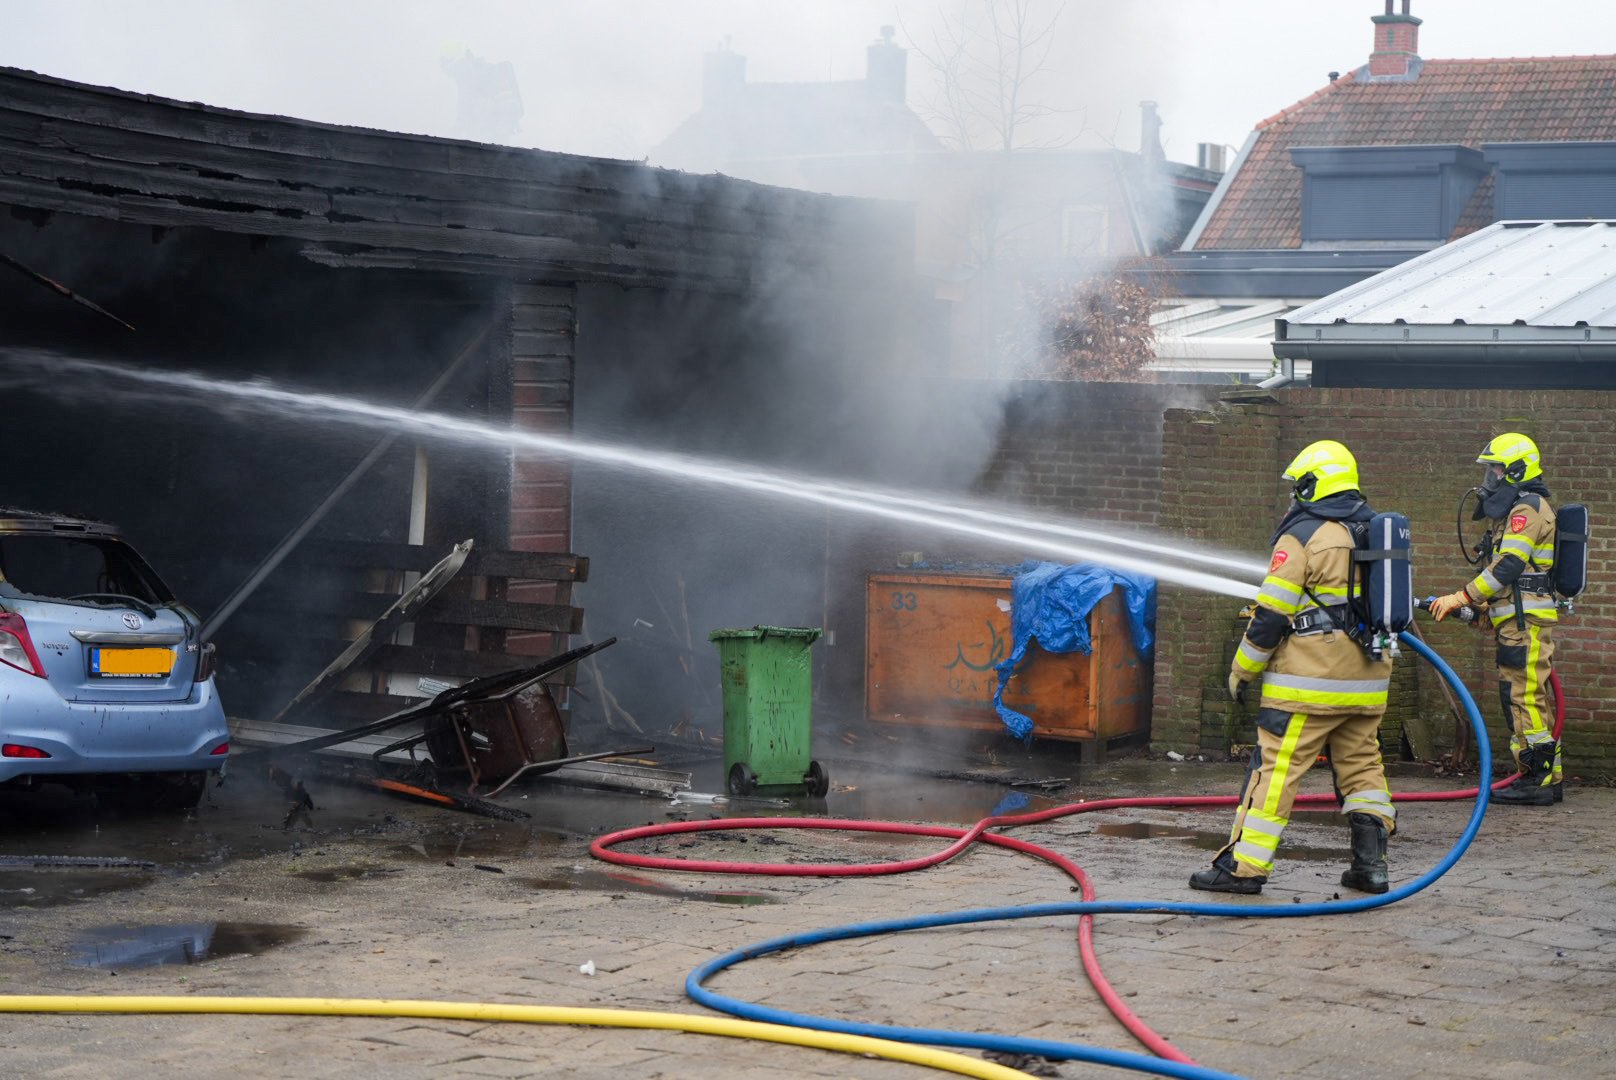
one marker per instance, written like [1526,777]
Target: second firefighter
[1517,594]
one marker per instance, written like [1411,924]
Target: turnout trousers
[1287,746]
[1525,659]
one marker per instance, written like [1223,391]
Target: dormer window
[1364,196]
[1546,180]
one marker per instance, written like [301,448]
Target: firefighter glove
[1443,606]
[1237,686]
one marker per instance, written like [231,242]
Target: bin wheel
[742,780]
[818,780]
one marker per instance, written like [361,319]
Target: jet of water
[1070,543]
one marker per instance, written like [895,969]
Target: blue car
[105,683]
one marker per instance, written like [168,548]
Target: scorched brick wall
[543,331]
[1088,449]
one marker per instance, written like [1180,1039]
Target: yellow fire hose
[515,1014]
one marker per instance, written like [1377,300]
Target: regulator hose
[1179,1066]
[1474,555]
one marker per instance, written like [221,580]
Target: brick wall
[1415,448]
[1087,449]
[1196,631]
[542,335]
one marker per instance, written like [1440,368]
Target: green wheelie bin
[767,675]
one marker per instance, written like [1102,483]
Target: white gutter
[1171,350]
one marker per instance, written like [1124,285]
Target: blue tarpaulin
[1050,604]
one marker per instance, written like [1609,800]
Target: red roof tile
[1453,101]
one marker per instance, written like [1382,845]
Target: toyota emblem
[131,620]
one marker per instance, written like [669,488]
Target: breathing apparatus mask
[1498,490]
[1495,495]
[1509,460]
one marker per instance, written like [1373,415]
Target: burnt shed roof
[360,197]
[1466,102]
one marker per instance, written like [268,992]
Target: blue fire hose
[1072,1051]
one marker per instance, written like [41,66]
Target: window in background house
[1084,231]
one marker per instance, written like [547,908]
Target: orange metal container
[932,643]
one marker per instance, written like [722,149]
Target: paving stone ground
[1504,968]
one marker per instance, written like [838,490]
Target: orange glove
[1443,606]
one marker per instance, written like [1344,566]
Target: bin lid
[803,633]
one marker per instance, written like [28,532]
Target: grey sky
[613,77]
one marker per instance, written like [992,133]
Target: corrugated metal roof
[1219,317]
[1514,280]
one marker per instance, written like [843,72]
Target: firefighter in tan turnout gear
[1515,592]
[1320,689]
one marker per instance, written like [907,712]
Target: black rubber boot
[1221,878]
[1368,870]
[1532,788]
[1559,791]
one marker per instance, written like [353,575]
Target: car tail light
[12,749]
[205,663]
[16,647]
[220,750]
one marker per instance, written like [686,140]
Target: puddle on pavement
[447,843]
[1211,841]
[868,795]
[48,888]
[347,873]
[599,881]
[128,947]
[243,820]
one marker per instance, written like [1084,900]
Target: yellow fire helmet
[1516,453]
[1321,469]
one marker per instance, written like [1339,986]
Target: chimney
[887,68]
[1150,125]
[1397,45]
[723,75]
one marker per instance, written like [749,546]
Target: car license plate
[131,663]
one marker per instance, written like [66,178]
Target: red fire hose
[604,848]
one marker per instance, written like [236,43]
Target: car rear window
[62,567]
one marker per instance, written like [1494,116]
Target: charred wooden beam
[61,290]
[380,555]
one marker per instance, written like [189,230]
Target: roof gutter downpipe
[1287,374]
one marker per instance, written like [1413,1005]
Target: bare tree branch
[986,57]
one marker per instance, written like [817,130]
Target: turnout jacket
[1525,545]
[1318,671]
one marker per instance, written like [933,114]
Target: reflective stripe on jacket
[1526,546]
[1318,673]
